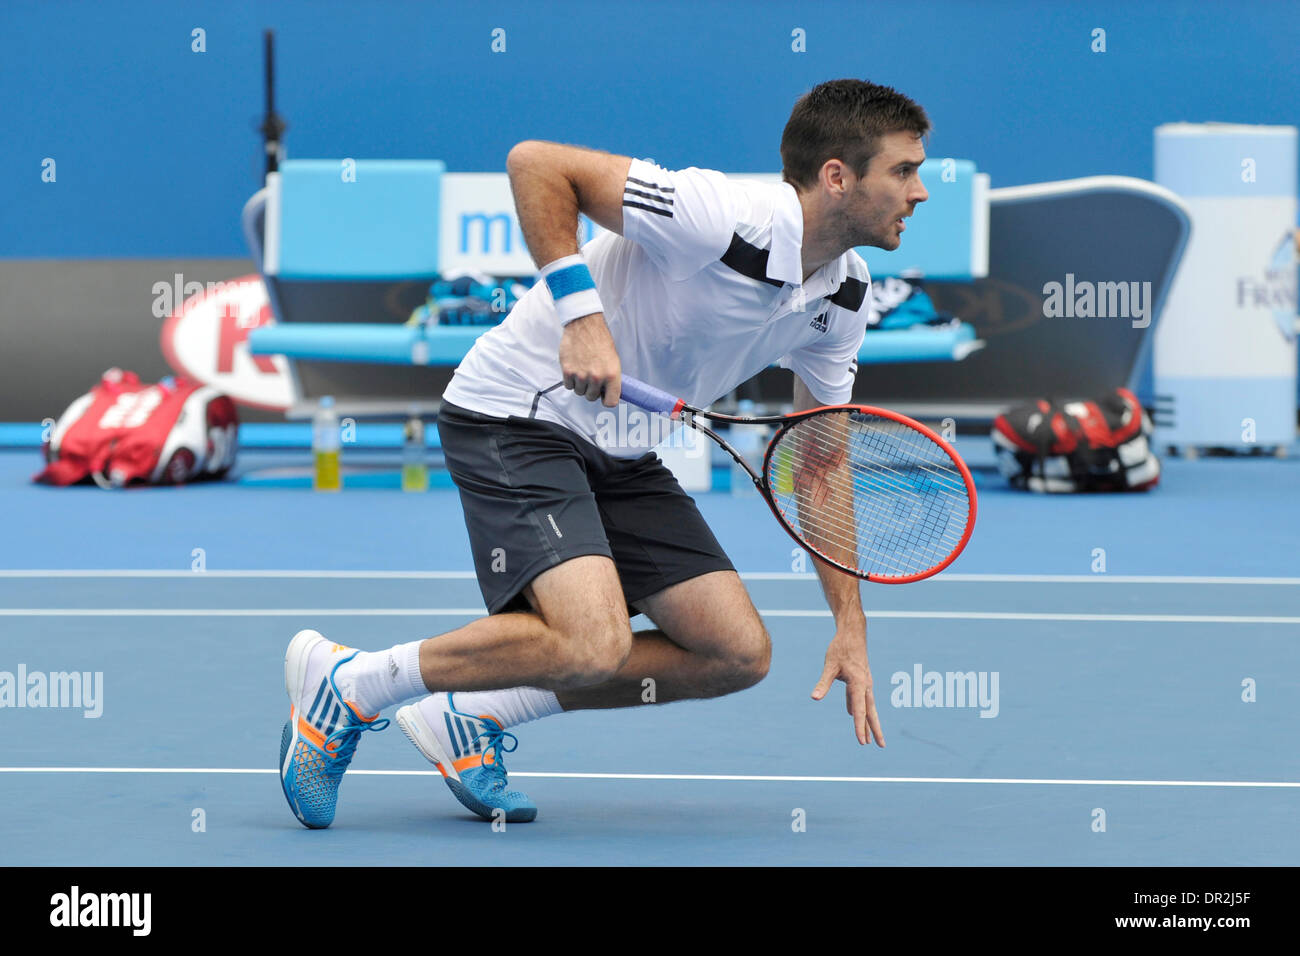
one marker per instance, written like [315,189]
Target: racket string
[880,534]
[886,497]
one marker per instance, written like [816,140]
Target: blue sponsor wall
[156,145]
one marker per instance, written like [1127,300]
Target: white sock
[379,679]
[511,707]
[515,705]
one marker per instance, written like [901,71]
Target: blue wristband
[572,287]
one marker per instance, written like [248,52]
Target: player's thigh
[673,568]
[712,615]
[582,598]
[656,534]
[527,506]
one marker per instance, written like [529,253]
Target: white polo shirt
[702,291]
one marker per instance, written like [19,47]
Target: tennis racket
[868,490]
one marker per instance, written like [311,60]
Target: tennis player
[700,283]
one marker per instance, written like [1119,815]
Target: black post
[273,126]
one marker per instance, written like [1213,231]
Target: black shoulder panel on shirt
[749,261]
[850,294]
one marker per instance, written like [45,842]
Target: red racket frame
[688,413]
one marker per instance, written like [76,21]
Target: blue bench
[372,222]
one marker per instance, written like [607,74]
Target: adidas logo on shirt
[819,322]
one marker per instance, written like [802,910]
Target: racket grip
[648,397]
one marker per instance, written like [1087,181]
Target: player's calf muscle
[676,673]
[509,650]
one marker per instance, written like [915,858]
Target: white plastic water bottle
[326,475]
[751,442]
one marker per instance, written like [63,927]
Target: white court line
[310,612]
[723,777]
[147,573]
[808,577]
[1096,579]
[1051,616]
[243,612]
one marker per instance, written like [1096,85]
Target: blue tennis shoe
[474,768]
[322,731]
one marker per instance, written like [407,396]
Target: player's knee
[608,654]
[750,660]
[756,660]
[598,652]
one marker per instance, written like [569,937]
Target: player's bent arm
[552,183]
[842,590]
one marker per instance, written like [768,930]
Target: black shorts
[536,494]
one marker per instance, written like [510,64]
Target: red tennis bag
[123,430]
[1098,445]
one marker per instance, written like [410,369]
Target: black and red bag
[123,431]
[1098,445]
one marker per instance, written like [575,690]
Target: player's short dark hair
[844,120]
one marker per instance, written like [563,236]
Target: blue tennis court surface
[1140,714]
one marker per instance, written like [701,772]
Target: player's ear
[832,175]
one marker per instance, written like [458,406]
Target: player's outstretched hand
[589,360]
[846,660]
